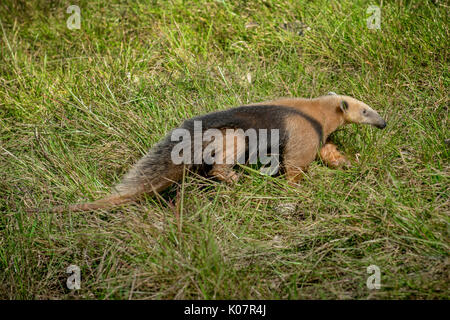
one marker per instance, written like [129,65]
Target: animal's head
[355,111]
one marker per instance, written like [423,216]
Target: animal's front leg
[332,157]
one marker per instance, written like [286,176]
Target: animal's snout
[381,125]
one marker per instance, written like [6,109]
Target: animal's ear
[344,106]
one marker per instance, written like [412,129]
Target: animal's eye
[364,111]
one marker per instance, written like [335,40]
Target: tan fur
[296,158]
[332,157]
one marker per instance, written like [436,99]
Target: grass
[79,107]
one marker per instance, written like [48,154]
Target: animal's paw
[232,178]
[333,158]
[340,163]
[227,176]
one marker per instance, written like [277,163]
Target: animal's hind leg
[224,172]
[229,153]
[332,157]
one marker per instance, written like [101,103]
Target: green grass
[79,107]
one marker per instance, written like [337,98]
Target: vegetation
[79,107]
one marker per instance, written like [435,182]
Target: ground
[79,106]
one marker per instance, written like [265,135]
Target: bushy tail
[151,174]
